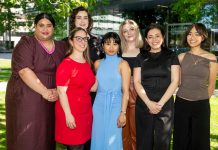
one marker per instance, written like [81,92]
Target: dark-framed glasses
[80,39]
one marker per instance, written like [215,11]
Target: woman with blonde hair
[131,42]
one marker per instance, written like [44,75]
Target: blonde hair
[139,41]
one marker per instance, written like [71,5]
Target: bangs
[111,36]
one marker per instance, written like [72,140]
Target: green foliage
[196,10]
[7,18]
[60,10]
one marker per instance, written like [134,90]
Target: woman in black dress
[80,17]
[156,77]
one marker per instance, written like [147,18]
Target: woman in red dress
[74,79]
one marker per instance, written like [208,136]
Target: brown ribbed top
[194,77]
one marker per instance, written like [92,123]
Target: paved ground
[5,55]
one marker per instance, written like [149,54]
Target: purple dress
[29,117]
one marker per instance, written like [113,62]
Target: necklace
[195,59]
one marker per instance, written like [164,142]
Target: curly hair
[73,17]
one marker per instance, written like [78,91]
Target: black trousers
[75,147]
[153,132]
[192,125]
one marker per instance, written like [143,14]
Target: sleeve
[63,74]
[23,54]
[174,59]
[138,61]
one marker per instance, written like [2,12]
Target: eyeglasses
[80,39]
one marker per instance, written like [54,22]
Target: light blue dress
[107,106]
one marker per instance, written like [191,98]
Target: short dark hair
[159,27]
[202,30]
[73,17]
[115,36]
[42,16]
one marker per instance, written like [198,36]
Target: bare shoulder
[181,57]
[208,55]
[124,63]
[97,63]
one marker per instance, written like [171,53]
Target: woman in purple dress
[31,92]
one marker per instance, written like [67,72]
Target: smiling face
[154,39]
[129,32]
[44,29]
[110,47]
[194,39]
[82,20]
[80,41]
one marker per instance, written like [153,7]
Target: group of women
[48,95]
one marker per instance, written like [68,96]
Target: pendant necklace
[195,61]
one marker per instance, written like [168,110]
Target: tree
[60,10]
[7,19]
[196,10]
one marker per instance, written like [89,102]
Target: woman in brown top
[198,77]
[31,89]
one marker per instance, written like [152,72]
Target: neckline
[153,53]
[46,50]
[111,57]
[197,56]
[77,61]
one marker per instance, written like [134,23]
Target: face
[154,39]
[110,47]
[82,20]
[44,29]
[129,32]
[79,41]
[194,39]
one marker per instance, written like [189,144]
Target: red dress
[79,78]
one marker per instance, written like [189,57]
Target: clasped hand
[154,107]
[51,95]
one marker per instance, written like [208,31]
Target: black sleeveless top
[131,62]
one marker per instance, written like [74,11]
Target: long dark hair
[42,16]
[86,52]
[73,17]
[115,36]
[159,27]
[202,31]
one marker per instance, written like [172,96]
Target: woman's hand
[50,94]
[121,122]
[70,121]
[154,107]
[54,96]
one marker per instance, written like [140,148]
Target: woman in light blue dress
[109,109]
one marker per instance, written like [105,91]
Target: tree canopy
[205,11]
[60,10]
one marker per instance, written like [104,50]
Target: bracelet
[124,112]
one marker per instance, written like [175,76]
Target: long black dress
[29,117]
[154,131]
